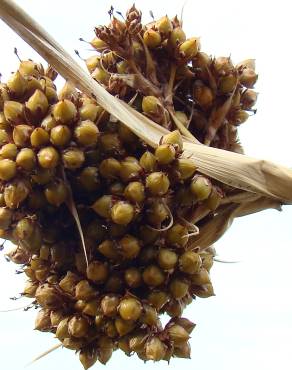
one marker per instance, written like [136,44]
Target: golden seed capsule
[30,289]
[157,183]
[135,192]
[4,137]
[186,168]
[73,158]
[189,48]
[204,291]
[108,249]
[30,68]
[65,112]
[4,125]
[130,170]
[201,278]
[176,37]
[122,213]
[60,135]
[84,290]
[248,78]
[201,187]
[151,105]
[88,357]
[110,329]
[182,351]
[48,296]
[48,157]
[109,305]
[110,168]
[106,347]
[43,321]
[190,262]
[89,112]
[68,91]
[152,38]
[223,66]
[149,316]
[103,205]
[247,99]
[148,162]
[124,327]
[157,213]
[164,25]
[8,151]
[73,343]
[39,137]
[62,329]
[167,259]
[100,75]
[43,176]
[7,169]
[56,316]
[37,104]
[13,111]
[130,309]
[165,154]
[89,179]
[92,62]
[56,193]
[17,84]
[155,349]
[97,272]
[16,192]
[178,288]
[129,246]
[5,218]
[207,261]
[86,133]
[48,123]
[21,135]
[239,117]
[173,138]
[32,84]
[2,200]
[186,324]
[78,327]
[153,276]
[133,277]
[110,143]
[203,95]
[177,334]
[177,235]
[51,94]
[26,159]
[158,299]
[227,84]
[214,199]
[91,308]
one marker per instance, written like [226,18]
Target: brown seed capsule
[15,193]
[201,187]
[65,112]
[148,162]
[48,123]
[153,276]
[135,192]
[91,308]
[165,154]
[96,231]
[130,170]
[157,213]
[207,261]
[89,179]
[149,316]
[60,135]
[26,159]
[110,168]
[129,246]
[4,138]
[37,104]
[13,111]
[97,272]
[227,84]
[123,344]
[86,133]
[106,347]
[43,176]
[137,341]
[73,343]
[203,291]
[88,357]
[4,125]
[7,169]
[48,157]
[5,218]
[78,327]
[114,284]
[43,321]
[178,288]
[182,351]
[110,329]
[124,327]
[84,290]
[177,235]
[48,296]
[190,262]
[73,158]
[126,135]
[21,135]
[185,323]
[110,143]
[108,249]
[203,95]
[103,205]
[133,277]
[17,84]
[167,259]
[152,38]
[56,316]
[214,198]
[62,329]
[122,213]
[69,282]
[89,112]
[109,305]
[155,349]
[130,309]
[201,278]
[117,188]
[30,289]
[177,334]
[248,78]
[238,117]
[248,99]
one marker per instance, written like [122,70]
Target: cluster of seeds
[103,225]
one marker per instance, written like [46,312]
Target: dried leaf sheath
[233,169]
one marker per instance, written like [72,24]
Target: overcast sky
[248,325]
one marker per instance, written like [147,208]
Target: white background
[248,325]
